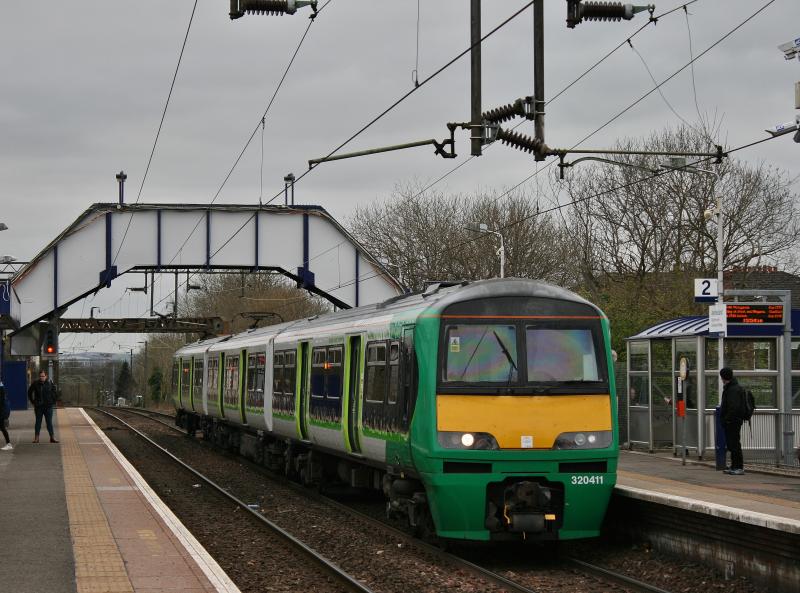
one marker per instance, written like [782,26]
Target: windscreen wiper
[508,356]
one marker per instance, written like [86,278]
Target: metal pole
[720,243]
[502,252]
[152,287]
[121,177]
[538,72]
[476,125]
[175,301]
[788,430]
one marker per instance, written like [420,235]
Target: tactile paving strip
[99,567]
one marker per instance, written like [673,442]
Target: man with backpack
[733,412]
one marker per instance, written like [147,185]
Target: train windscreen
[522,346]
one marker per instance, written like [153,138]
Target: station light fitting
[269,7]
[578,11]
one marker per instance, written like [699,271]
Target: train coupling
[527,507]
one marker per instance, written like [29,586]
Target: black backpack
[749,405]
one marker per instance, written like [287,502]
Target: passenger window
[289,372]
[277,373]
[334,373]
[318,366]
[375,387]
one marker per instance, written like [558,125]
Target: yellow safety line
[99,567]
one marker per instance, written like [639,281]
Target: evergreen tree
[155,382]
[124,386]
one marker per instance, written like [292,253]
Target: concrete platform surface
[77,517]
[764,499]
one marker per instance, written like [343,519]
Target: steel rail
[617,578]
[145,413]
[593,570]
[349,581]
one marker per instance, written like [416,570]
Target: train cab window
[230,385]
[561,354]
[480,353]
[375,380]
[255,380]
[277,373]
[394,372]
[213,378]
[334,373]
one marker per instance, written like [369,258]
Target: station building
[754,351]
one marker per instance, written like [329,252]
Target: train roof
[436,296]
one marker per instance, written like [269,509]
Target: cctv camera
[790,49]
[781,129]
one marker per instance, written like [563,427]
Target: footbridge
[303,243]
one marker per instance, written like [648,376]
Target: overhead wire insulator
[520,141]
[577,11]
[505,113]
[269,7]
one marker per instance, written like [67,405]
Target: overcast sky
[84,84]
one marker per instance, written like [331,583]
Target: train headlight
[599,439]
[476,441]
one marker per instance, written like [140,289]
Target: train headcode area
[116,514]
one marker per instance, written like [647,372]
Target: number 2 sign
[705,290]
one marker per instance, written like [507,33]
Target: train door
[353,389]
[302,407]
[221,399]
[409,378]
[242,384]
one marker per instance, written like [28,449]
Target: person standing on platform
[5,412]
[43,395]
[732,413]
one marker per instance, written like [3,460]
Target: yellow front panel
[510,418]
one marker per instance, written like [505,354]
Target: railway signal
[50,342]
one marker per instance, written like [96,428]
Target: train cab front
[523,446]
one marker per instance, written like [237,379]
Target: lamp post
[679,163]
[482,227]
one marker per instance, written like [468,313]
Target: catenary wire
[158,132]
[591,134]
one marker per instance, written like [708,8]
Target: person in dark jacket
[43,395]
[5,412]
[732,414]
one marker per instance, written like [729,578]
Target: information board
[754,314]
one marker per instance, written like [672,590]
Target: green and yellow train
[483,411]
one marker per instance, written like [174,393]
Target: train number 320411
[587,480]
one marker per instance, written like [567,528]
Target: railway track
[348,582]
[572,564]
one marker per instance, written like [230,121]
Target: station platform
[760,498]
[76,517]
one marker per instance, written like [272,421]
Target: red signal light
[50,349]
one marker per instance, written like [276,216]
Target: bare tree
[430,238]
[233,296]
[639,240]
[627,226]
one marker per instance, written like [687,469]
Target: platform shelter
[756,355]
